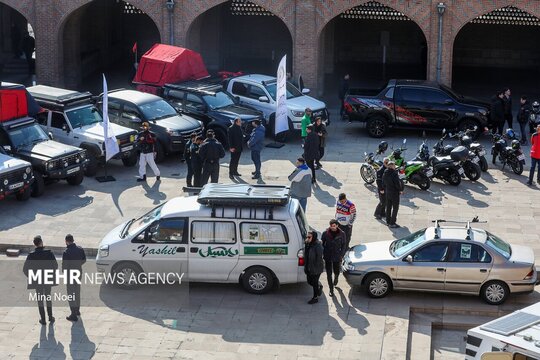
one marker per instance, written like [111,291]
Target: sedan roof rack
[467,225]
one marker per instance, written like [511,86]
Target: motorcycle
[371,164]
[414,172]
[511,155]
[469,158]
[478,149]
[446,168]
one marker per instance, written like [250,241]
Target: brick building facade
[310,24]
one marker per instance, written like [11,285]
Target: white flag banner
[111,144]
[282,123]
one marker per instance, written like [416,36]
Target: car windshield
[27,135]
[136,225]
[499,245]
[292,92]
[401,246]
[218,100]
[156,110]
[84,116]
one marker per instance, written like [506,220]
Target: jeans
[332,267]
[256,158]
[313,280]
[534,162]
[523,129]
[210,171]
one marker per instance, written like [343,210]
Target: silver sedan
[443,259]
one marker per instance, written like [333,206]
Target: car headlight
[28,170]
[6,182]
[482,112]
[83,155]
[349,266]
[50,165]
[173,132]
[297,113]
[25,176]
[104,251]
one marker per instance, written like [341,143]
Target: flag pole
[106,138]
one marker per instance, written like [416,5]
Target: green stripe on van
[265,250]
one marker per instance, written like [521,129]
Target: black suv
[51,160]
[208,102]
[130,108]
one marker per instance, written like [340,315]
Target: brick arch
[24,7]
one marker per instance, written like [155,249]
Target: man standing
[523,118]
[320,130]
[343,90]
[196,161]
[314,264]
[146,141]
[311,151]
[497,112]
[535,156]
[507,100]
[187,159]
[380,209]
[37,261]
[334,248]
[306,120]
[393,188]
[300,183]
[345,216]
[211,151]
[255,144]
[236,143]
[73,259]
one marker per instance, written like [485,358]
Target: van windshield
[302,222]
[136,225]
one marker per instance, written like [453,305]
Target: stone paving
[224,322]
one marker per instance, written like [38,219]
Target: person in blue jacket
[255,144]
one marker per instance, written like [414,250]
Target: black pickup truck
[414,104]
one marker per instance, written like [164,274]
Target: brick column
[49,47]
[306,44]
[71,58]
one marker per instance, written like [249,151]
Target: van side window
[58,120]
[239,88]
[42,118]
[263,233]
[213,232]
[167,231]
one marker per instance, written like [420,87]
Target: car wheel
[130,161]
[38,187]
[92,165]
[377,126]
[378,285]
[257,280]
[160,153]
[76,179]
[368,173]
[25,195]
[494,292]
[128,271]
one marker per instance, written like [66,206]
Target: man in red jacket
[535,156]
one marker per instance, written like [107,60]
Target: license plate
[298,126]
[461,171]
[482,153]
[127,148]
[75,169]
[476,160]
[521,157]
[429,173]
[16,186]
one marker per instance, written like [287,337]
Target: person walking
[196,161]
[343,90]
[73,258]
[535,156]
[236,144]
[187,159]
[497,112]
[211,151]
[146,140]
[320,130]
[334,248]
[507,100]
[306,120]
[345,216]
[300,180]
[314,264]
[393,188]
[39,261]
[381,206]
[523,117]
[311,151]
[255,144]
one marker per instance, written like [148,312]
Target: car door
[468,266]
[213,250]
[424,107]
[426,270]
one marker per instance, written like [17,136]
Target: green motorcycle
[413,172]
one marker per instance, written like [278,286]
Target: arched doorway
[99,38]
[373,43]
[17,46]
[497,50]
[239,35]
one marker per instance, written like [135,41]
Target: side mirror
[306,91]
[65,128]
[448,102]
[7,148]
[50,135]
[409,259]
[264,99]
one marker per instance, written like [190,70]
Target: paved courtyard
[224,322]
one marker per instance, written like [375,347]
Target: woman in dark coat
[320,130]
[314,264]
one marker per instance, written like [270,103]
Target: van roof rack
[244,195]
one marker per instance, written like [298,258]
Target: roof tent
[16,102]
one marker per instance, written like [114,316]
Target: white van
[512,337]
[230,233]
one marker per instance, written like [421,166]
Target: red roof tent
[168,64]
[16,102]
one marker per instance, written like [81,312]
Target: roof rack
[56,96]
[244,195]
[467,225]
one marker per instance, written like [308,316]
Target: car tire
[377,126]
[378,285]
[368,174]
[76,180]
[92,165]
[25,195]
[494,292]
[131,160]
[127,269]
[160,153]
[257,280]
[38,187]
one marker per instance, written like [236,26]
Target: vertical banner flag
[282,123]
[111,144]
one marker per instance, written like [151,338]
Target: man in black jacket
[187,159]
[311,150]
[507,101]
[236,143]
[38,261]
[381,206]
[497,112]
[523,118]
[334,248]
[393,188]
[73,258]
[343,89]
[211,151]
[196,161]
